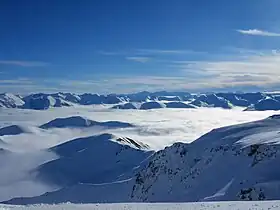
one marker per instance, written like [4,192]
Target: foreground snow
[155,206]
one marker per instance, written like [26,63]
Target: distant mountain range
[145,100]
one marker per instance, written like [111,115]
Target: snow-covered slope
[95,159]
[9,100]
[235,99]
[82,122]
[253,205]
[88,99]
[129,105]
[211,100]
[178,104]
[231,163]
[265,104]
[13,130]
[152,105]
[202,170]
[41,101]
[169,98]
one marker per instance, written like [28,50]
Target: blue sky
[123,46]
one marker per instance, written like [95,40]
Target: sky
[109,46]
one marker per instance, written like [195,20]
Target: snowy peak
[94,159]
[188,172]
[13,130]
[211,100]
[41,101]
[149,100]
[132,143]
[178,104]
[265,104]
[9,100]
[82,122]
[152,105]
[128,105]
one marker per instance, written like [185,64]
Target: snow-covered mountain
[95,159]
[152,105]
[237,162]
[13,130]
[82,122]
[9,100]
[265,104]
[128,105]
[179,104]
[235,99]
[211,100]
[42,101]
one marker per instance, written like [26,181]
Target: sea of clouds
[158,128]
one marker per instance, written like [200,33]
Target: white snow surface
[272,205]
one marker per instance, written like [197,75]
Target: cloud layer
[257,32]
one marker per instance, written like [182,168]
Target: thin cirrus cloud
[257,32]
[259,70]
[23,63]
[166,51]
[143,52]
[138,59]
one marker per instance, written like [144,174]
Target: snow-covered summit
[152,105]
[83,122]
[211,100]
[9,100]
[179,104]
[13,130]
[265,104]
[94,159]
[128,105]
[41,101]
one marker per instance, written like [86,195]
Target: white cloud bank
[257,32]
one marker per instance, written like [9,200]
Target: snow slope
[129,105]
[78,121]
[179,104]
[272,205]
[13,130]
[211,100]
[95,159]
[265,104]
[152,105]
[198,171]
[9,100]
[202,170]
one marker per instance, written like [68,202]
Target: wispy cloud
[139,59]
[143,52]
[258,70]
[165,51]
[23,63]
[257,32]
[111,53]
